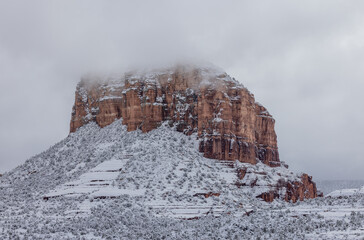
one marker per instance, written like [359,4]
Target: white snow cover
[112,184]
[347,192]
[165,165]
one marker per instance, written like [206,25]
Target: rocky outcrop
[207,195]
[300,190]
[296,190]
[229,123]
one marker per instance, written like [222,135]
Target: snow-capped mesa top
[202,99]
[206,74]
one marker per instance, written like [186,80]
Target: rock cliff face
[229,123]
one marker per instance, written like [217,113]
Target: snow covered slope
[163,167]
[107,183]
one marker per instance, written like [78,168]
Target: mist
[303,61]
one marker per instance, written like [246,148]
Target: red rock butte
[205,100]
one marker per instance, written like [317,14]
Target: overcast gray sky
[303,60]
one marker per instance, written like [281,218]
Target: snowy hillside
[105,183]
[349,192]
[163,167]
[328,186]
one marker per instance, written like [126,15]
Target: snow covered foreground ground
[110,184]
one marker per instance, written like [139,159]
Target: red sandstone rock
[301,190]
[241,173]
[230,124]
[269,196]
[298,190]
[207,195]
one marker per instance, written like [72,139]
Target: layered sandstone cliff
[229,123]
